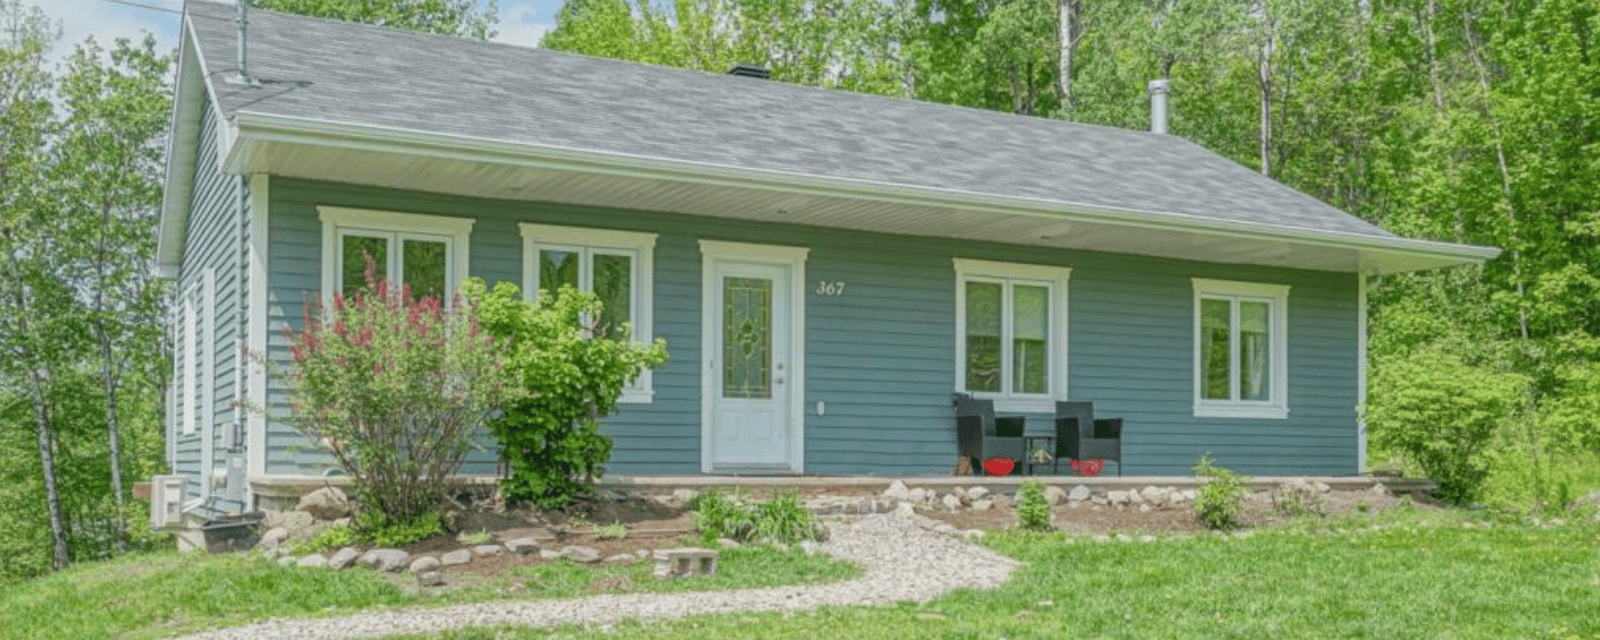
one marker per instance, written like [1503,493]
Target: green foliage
[613,531]
[781,520]
[464,18]
[565,380]
[382,530]
[394,387]
[1220,499]
[1442,413]
[331,539]
[1033,510]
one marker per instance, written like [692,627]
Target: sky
[522,22]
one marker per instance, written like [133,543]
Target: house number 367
[825,288]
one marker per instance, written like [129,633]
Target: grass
[168,594]
[1422,575]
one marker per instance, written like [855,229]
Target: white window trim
[1059,278]
[188,344]
[1278,406]
[337,219]
[640,244]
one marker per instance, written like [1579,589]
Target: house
[826,268]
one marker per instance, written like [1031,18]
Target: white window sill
[637,396]
[1023,405]
[1240,411]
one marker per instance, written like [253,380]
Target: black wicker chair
[981,436]
[1079,436]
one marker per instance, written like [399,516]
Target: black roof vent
[750,71]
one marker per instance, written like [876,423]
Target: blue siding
[212,242]
[882,356]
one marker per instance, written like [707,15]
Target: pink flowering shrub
[394,388]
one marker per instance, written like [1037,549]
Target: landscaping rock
[343,558]
[642,553]
[728,543]
[919,494]
[810,547]
[904,510]
[313,561]
[982,505]
[1321,487]
[897,491]
[286,561]
[960,493]
[459,556]
[951,502]
[972,533]
[273,538]
[586,555]
[1074,504]
[977,493]
[683,496]
[327,503]
[291,520]
[1079,493]
[1117,498]
[430,578]
[390,560]
[943,527]
[423,564]
[1055,495]
[622,557]
[547,554]
[1134,497]
[523,546]
[1380,490]
[488,550]
[1145,508]
[1100,500]
[1188,495]
[1154,495]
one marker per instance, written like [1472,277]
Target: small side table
[1047,442]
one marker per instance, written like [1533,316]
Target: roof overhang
[183,151]
[433,162]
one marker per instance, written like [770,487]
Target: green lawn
[168,594]
[1428,577]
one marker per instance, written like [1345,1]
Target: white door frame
[793,257]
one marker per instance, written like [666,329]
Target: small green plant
[1220,500]
[470,539]
[1363,507]
[579,520]
[784,520]
[1033,511]
[613,531]
[1298,499]
[383,531]
[781,520]
[1405,503]
[722,516]
[335,537]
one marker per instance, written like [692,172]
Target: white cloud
[107,21]
[517,26]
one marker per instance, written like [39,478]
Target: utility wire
[163,9]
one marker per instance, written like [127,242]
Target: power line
[163,9]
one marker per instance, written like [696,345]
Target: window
[1011,333]
[1241,349]
[428,253]
[617,266]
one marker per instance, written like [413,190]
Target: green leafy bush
[1220,499]
[1442,413]
[335,537]
[1033,511]
[394,388]
[569,365]
[383,531]
[718,515]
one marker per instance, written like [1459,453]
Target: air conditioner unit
[166,501]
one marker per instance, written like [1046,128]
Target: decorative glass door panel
[746,338]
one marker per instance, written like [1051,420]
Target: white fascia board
[260,127]
[182,147]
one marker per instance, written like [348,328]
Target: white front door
[752,370]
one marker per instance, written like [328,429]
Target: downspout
[1361,371]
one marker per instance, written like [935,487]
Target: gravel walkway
[899,560]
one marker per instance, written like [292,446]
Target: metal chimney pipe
[1158,105]
[244,73]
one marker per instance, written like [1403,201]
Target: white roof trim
[183,149]
[265,128]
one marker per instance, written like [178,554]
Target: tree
[109,155]
[462,18]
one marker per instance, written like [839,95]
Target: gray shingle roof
[365,75]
